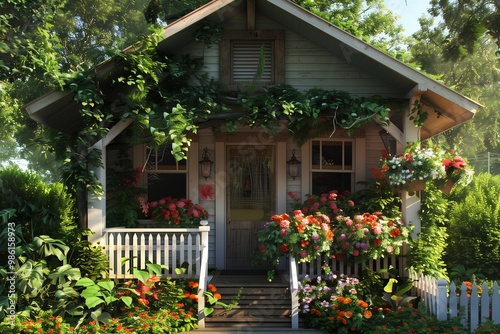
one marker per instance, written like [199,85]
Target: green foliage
[474,227]
[89,258]
[466,21]
[427,250]
[122,192]
[41,208]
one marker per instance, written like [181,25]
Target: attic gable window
[251,58]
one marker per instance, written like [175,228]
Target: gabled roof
[452,108]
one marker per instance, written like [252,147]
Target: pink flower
[315,206]
[284,224]
[348,222]
[181,204]
[350,203]
[332,205]
[303,253]
[171,206]
[333,196]
[377,230]
[298,214]
[355,252]
[389,249]
[323,198]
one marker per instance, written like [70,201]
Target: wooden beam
[251,15]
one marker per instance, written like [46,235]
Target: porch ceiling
[57,109]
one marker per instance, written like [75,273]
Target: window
[165,176]
[331,166]
[251,58]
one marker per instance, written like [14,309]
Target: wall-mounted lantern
[206,164]
[293,166]
[389,142]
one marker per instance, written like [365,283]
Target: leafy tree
[39,40]
[369,20]
[469,76]
[466,22]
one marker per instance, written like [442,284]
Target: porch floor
[264,307]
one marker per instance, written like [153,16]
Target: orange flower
[217,296]
[347,301]
[367,314]
[193,284]
[348,314]
[363,304]
[340,299]
[212,287]
[300,228]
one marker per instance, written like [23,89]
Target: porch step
[261,305]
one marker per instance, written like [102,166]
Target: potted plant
[457,171]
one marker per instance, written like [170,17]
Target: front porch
[184,252]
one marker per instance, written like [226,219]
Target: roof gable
[408,82]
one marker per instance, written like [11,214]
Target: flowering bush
[415,164]
[332,304]
[173,212]
[303,237]
[367,236]
[330,204]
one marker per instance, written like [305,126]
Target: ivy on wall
[170,98]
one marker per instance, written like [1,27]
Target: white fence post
[203,272]
[442,300]
[294,292]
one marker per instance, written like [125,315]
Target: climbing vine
[170,97]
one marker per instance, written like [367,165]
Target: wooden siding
[307,65]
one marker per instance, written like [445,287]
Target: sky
[409,12]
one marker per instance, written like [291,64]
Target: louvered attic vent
[252,61]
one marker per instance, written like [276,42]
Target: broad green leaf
[108,285]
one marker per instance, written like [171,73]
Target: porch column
[97,205]
[411,203]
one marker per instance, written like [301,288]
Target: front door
[251,201]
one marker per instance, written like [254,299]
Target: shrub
[41,209]
[474,227]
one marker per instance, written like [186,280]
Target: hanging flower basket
[417,185]
[412,169]
[447,186]
[418,165]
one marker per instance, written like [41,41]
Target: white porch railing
[175,248]
[474,307]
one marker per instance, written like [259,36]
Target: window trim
[342,169]
[277,37]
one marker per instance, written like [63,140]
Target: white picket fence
[441,299]
[314,268]
[173,247]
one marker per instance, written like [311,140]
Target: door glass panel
[251,183]
[250,201]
